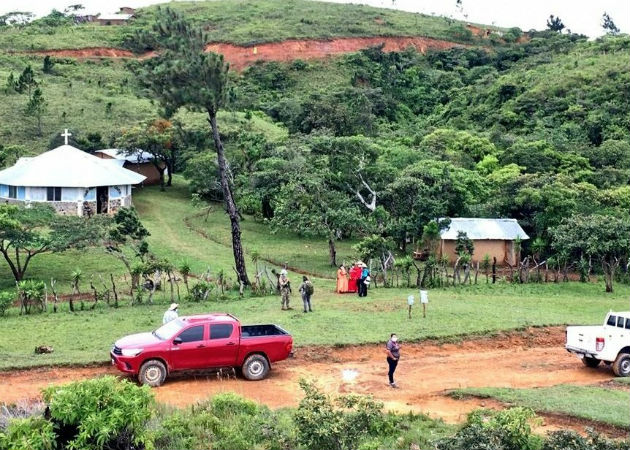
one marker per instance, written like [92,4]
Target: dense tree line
[533,131]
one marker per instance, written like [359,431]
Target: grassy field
[599,404]
[230,21]
[86,336]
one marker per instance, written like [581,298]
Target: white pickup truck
[609,343]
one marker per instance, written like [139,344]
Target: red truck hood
[137,340]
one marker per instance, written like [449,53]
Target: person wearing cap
[392,348]
[171,313]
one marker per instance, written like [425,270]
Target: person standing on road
[171,313]
[393,355]
[285,289]
[306,289]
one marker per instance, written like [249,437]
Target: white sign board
[424,297]
[410,300]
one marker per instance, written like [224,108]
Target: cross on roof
[66,135]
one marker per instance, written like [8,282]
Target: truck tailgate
[583,337]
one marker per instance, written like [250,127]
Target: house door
[102,199]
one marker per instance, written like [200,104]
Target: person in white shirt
[171,313]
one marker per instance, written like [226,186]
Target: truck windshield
[168,330]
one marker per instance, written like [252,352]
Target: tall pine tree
[183,74]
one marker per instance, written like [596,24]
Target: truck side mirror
[177,341]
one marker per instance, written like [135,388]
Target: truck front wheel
[255,367]
[590,362]
[621,366]
[153,373]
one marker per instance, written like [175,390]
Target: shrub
[6,299]
[501,430]
[200,291]
[32,294]
[33,433]
[354,423]
[570,440]
[100,413]
[225,422]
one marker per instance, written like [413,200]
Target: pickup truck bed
[248,331]
[609,342]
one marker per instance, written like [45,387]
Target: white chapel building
[70,180]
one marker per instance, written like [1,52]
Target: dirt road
[240,57]
[521,359]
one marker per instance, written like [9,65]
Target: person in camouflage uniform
[285,289]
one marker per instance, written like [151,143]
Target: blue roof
[477,229]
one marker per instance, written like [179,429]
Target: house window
[12,192]
[53,194]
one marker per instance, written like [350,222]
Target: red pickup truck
[201,342]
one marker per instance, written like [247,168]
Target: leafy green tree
[28,232]
[602,237]
[464,246]
[555,24]
[460,147]
[36,108]
[156,137]
[16,18]
[608,25]
[183,74]
[308,206]
[426,191]
[26,81]
[377,247]
[125,239]
[10,154]
[48,64]
[11,85]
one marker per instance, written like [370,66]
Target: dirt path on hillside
[240,57]
[530,358]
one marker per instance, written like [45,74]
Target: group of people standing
[305,289]
[357,279]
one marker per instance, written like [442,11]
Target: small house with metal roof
[140,162]
[493,237]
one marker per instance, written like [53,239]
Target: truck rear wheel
[621,366]
[590,362]
[153,373]
[255,367]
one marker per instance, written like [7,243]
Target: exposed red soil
[427,371]
[89,52]
[240,57]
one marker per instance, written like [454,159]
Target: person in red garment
[355,274]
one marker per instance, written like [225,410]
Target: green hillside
[535,130]
[243,22]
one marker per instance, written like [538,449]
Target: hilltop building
[70,180]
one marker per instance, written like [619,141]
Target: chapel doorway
[102,199]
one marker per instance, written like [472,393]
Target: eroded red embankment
[240,57]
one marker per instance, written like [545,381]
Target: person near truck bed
[171,313]
[285,289]
[306,289]
[393,355]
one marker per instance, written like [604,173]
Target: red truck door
[223,344]
[188,348]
